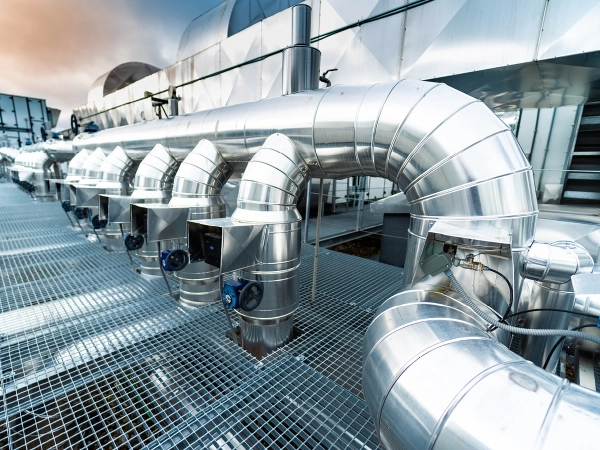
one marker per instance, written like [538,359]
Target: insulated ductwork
[269,191]
[434,379]
[83,193]
[153,183]
[75,170]
[31,170]
[116,183]
[419,135]
[198,184]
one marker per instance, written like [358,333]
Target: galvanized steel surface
[485,396]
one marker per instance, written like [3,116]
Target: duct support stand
[317,238]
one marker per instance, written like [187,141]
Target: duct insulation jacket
[197,186]
[434,379]
[269,191]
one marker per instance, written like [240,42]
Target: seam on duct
[400,127]
[447,159]
[547,423]
[356,116]
[465,186]
[376,121]
[415,358]
[424,140]
[312,135]
[427,319]
[291,192]
[461,394]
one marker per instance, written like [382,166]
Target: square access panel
[158,221]
[114,208]
[225,243]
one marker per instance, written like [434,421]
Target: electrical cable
[127,250]
[553,349]
[511,299]
[516,330]
[525,311]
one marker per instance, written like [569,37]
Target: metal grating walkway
[94,356]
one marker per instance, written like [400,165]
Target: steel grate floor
[94,356]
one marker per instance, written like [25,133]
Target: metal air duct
[115,186]
[485,397]
[300,62]
[197,186]
[417,134]
[84,194]
[269,191]
[75,170]
[153,183]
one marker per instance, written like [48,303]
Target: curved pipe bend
[197,186]
[116,173]
[455,386]
[75,170]
[269,192]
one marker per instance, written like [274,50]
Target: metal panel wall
[495,51]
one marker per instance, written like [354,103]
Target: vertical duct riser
[153,183]
[116,178]
[198,186]
[268,194]
[301,63]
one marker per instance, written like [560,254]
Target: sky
[56,49]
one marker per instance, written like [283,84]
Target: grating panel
[94,356]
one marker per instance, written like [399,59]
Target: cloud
[56,49]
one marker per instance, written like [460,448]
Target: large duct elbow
[154,178]
[199,180]
[153,183]
[557,262]
[269,191]
[197,187]
[434,379]
[75,170]
[116,173]
[115,180]
[91,168]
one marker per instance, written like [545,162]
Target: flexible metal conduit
[197,186]
[434,379]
